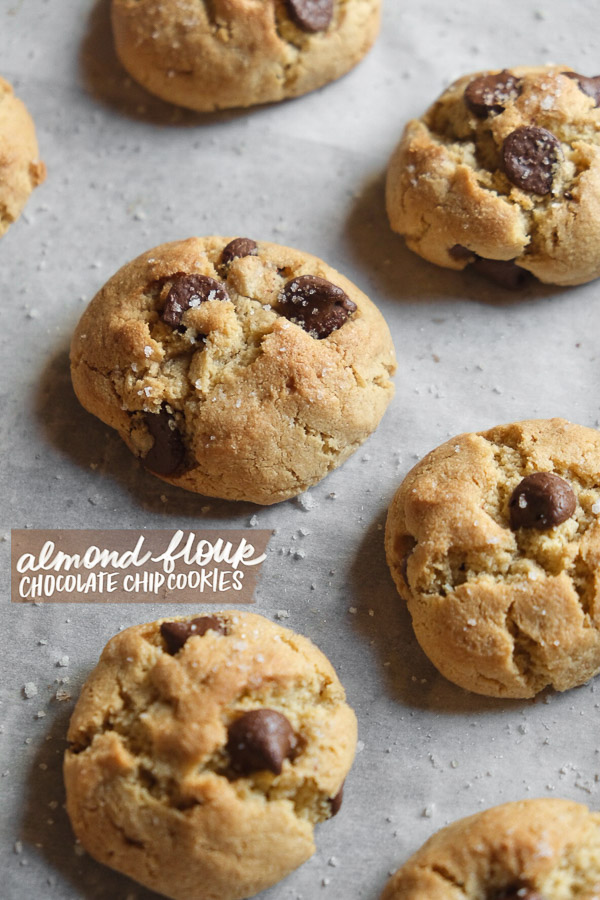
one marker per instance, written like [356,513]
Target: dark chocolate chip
[589,86]
[491,93]
[190,291]
[168,452]
[503,272]
[519,893]
[237,248]
[541,501]
[336,802]
[530,155]
[311,15]
[176,634]
[315,304]
[260,739]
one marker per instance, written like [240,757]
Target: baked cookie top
[226,53]
[203,750]
[493,539]
[505,166]
[235,369]
[20,167]
[545,849]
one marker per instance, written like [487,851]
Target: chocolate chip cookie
[20,167]
[224,53]
[493,540]
[502,174]
[529,850]
[232,368]
[204,750]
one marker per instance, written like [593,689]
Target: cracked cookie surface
[215,54]
[544,849]
[505,166]
[221,380]
[503,589]
[168,784]
[20,167]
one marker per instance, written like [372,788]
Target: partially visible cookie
[493,540]
[236,369]
[502,173]
[225,53]
[544,849]
[203,751]
[20,167]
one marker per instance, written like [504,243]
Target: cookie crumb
[29,689]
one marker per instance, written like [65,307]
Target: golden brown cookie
[503,173]
[233,369]
[203,751]
[493,540]
[20,167]
[224,53]
[544,849]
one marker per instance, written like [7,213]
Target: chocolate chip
[503,272]
[336,802]
[530,155]
[176,634]
[403,547]
[541,501]
[190,291]
[260,739]
[519,893]
[237,248]
[168,452]
[589,86]
[315,304]
[491,93]
[311,15]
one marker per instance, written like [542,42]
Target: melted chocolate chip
[336,802]
[541,501]
[260,739]
[190,291]
[311,15]
[168,452]
[503,272]
[237,248]
[530,155]
[589,86]
[315,304]
[176,634]
[491,93]
[519,893]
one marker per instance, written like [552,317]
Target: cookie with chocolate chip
[234,368]
[539,849]
[204,750]
[502,174]
[215,54]
[20,167]
[493,540]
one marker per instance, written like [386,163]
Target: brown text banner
[128,566]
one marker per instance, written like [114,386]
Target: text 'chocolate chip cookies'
[214,54]
[233,369]
[204,750]
[20,167]
[541,849]
[493,539]
[502,173]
